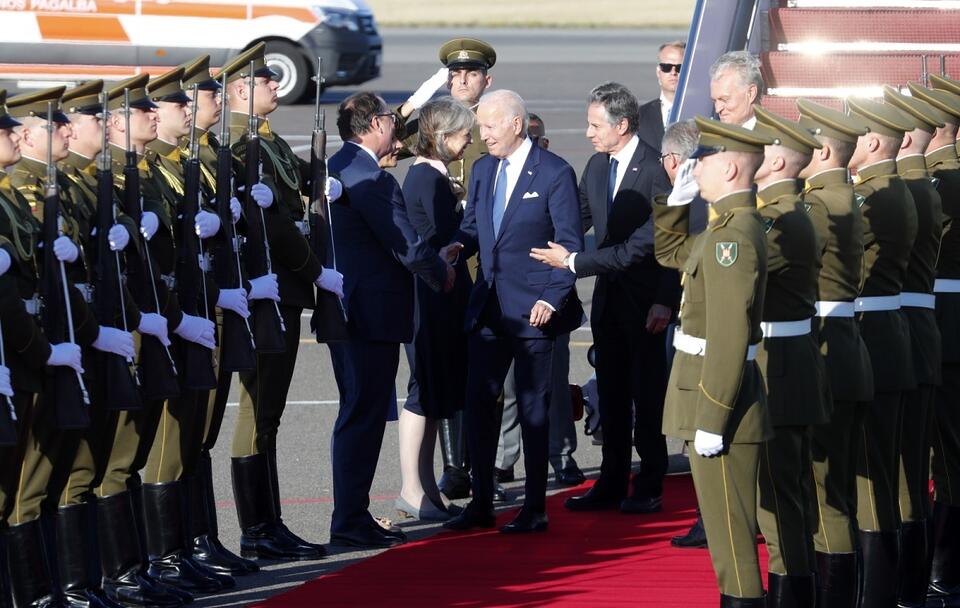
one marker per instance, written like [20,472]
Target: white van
[46,42]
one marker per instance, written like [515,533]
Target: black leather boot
[164,534]
[78,559]
[881,551]
[136,496]
[207,548]
[912,583]
[945,569]
[728,601]
[121,557]
[260,537]
[6,600]
[695,538]
[790,591]
[187,516]
[278,510]
[30,578]
[455,481]
[837,580]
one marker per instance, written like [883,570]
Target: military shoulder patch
[727,253]
[768,223]
[859,198]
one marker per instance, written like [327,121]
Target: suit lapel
[633,171]
[527,174]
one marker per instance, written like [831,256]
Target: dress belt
[698,346]
[829,308]
[877,303]
[785,329]
[911,299]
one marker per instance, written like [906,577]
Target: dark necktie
[612,182]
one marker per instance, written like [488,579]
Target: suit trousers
[263,392]
[784,501]
[878,464]
[632,384]
[727,494]
[945,438]
[366,374]
[914,453]
[491,355]
[563,432]
[835,448]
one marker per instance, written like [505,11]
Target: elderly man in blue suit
[380,251]
[521,197]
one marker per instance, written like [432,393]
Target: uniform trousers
[914,453]
[945,438]
[43,447]
[878,464]
[179,427]
[727,494]
[12,480]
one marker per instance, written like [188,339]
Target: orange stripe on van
[75,71]
[81,27]
[300,14]
[194,9]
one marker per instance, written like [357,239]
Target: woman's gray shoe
[429,512]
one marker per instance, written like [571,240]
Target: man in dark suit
[633,302]
[377,250]
[521,196]
[655,114]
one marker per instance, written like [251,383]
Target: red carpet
[584,560]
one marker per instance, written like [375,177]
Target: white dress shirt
[367,150]
[750,124]
[665,107]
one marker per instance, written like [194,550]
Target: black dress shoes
[695,538]
[499,492]
[367,538]
[504,475]
[570,476]
[472,516]
[596,499]
[526,521]
[641,505]
[454,483]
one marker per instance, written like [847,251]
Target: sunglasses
[667,67]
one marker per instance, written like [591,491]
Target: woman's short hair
[438,120]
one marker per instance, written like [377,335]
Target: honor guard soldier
[917,305]
[263,391]
[829,201]
[943,165]
[798,395]
[715,398]
[26,351]
[890,227]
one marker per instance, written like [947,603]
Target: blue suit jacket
[543,207]
[377,249]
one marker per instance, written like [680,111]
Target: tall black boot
[455,481]
[30,578]
[881,551]
[728,601]
[837,580]
[6,599]
[259,535]
[121,556]
[165,536]
[278,509]
[207,548]
[77,559]
[187,517]
[945,569]
[136,496]
[786,591]
[912,584]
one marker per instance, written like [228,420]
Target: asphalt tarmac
[553,70]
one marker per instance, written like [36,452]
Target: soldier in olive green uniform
[715,399]
[942,162]
[890,227]
[917,305]
[263,392]
[829,201]
[798,395]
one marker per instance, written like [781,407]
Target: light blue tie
[500,197]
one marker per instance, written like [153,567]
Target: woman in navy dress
[437,355]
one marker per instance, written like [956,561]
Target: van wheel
[293,74]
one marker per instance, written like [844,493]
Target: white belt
[698,346]
[946,286]
[303,227]
[828,308]
[86,290]
[32,305]
[785,329]
[877,303]
[911,299]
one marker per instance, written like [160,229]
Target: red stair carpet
[584,560]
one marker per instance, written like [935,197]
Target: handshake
[450,254]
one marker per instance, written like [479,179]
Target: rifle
[199,373]
[329,319]
[63,386]
[237,347]
[120,381]
[268,326]
[161,381]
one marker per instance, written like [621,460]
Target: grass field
[534,13]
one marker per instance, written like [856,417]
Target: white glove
[118,237]
[116,341]
[235,208]
[264,288]
[149,223]
[206,224]
[66,354]
[334,189]
[423,94]
[154,325]
[331,280]
[707,444]
[197,330]
[235,300]
[5,261]
[685,187]
[6,388]
[262,194]
[65,249]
